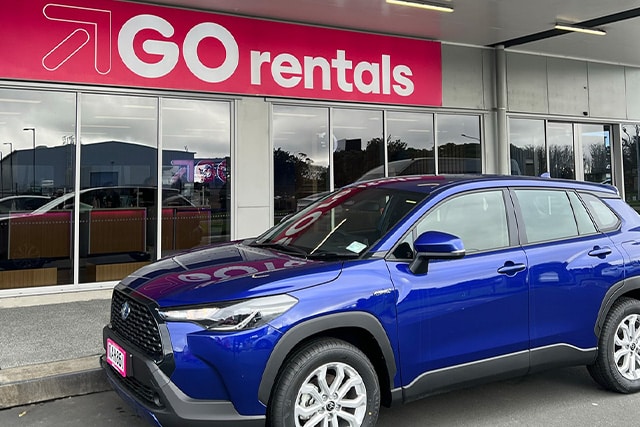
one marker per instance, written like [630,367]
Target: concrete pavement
[50,346]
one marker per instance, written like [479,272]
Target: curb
[38,383]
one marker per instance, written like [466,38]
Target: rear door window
[547,214]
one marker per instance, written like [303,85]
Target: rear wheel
[617,366]
[327,382]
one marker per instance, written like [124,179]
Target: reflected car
[421,165]
[22,203]
[123,217]
[383,292]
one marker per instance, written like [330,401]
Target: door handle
[510,268]
[600,252]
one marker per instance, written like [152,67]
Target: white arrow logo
[100,22]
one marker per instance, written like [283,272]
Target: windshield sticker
[356,247]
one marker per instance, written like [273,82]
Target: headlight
[235,316]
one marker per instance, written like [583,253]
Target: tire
[617,366]
[306,394]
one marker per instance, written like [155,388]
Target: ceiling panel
[474,22]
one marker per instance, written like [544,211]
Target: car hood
[227,272]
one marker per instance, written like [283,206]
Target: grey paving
[52,332]
[49,351]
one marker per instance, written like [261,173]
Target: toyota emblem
[125,310]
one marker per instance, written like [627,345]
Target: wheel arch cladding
[338,326]
[629,287]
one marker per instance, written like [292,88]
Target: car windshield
[344,224]
[53,204]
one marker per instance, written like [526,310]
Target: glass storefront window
[459,149]
[630,161]
[118,190]
[196,173]
[303,168]
[359,144]
[118,203]
[37,157]
[301,144]
[410,145]
[561,154]
[527,147]
[596,152]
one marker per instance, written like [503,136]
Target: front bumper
[156,399]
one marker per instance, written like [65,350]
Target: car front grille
[140,327]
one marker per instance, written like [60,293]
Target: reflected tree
[630,162]
[597,165]
[295,177]
[561,161]
[528,160]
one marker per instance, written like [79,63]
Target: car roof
[24,196]
[430,183]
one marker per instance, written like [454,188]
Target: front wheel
[617,365]
[327,382]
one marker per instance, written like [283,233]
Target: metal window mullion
[232,208]
[76,197]
[331,148]
[546,146]
[159,146]
[578,158]
[435,144]
[385,154]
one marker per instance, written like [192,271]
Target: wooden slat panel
[117,230]
[40,236]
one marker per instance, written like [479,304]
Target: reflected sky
[201,126]
[302,130]
[51,113]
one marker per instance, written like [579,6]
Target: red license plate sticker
[117,357]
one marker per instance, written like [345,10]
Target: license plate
[117,357]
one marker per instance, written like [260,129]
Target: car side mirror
[435,245]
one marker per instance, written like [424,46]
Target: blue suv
[383,292]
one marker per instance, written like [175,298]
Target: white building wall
[252,174]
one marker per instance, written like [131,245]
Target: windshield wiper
[280,247]
[333,255]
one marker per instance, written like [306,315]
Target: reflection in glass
[118,191]
[359,144]
[596,152]
[37,155]
[527,147]
[561,155]
[196,173]
[459,144]
[630,162]
[300,157]
[410,145]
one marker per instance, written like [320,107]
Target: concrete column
[502,140]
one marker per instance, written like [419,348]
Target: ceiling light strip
[577,29]
[422,5]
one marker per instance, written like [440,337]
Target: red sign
[115,43]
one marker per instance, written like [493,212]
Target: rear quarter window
[602,214]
